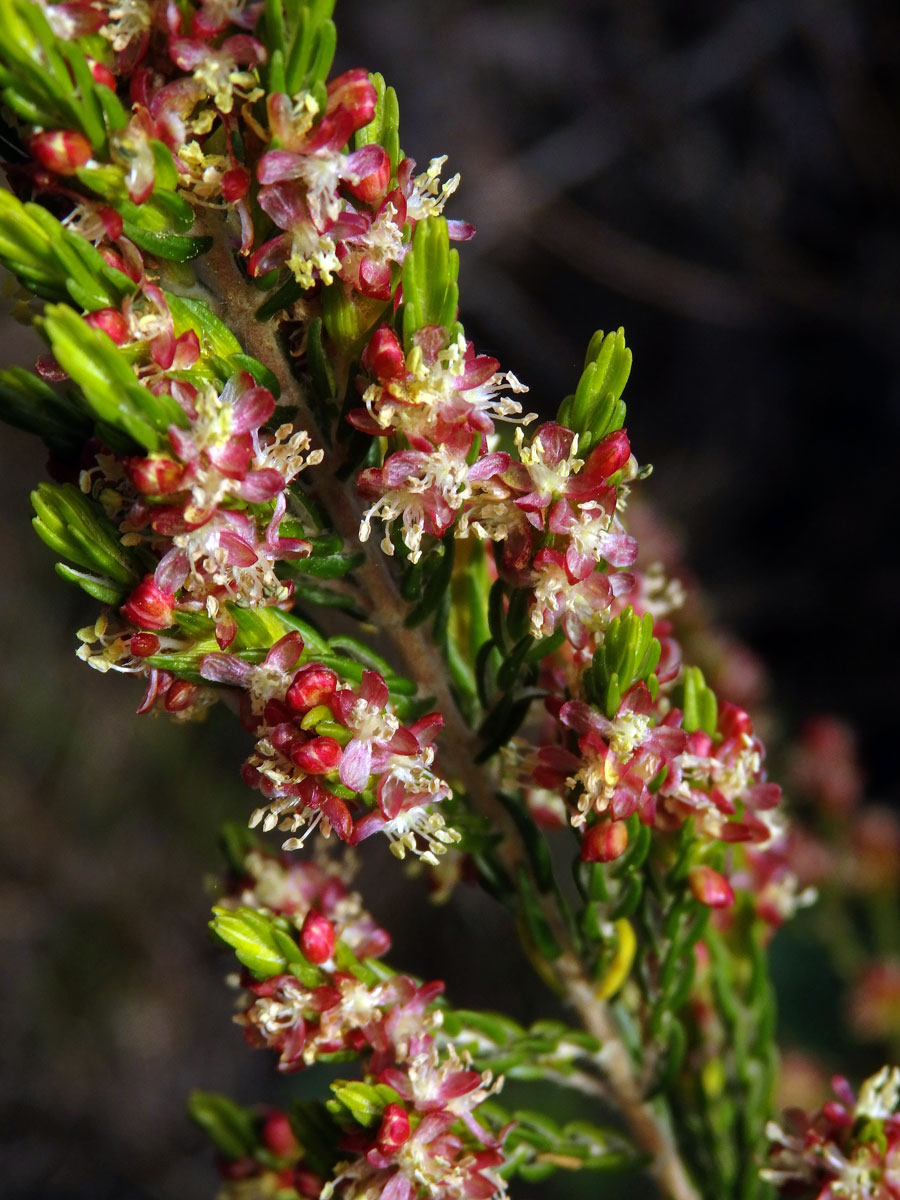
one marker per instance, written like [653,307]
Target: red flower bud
[317,756]
[383,357]
[61,150]
[156,476]
[394,1129]
[149,607]
[111,322]
[317,937]
[235,184]
[312,685]
[102,74]
[307,1183]
[370,189]
[604,842]
[710,888]
[354,93]
[277,1134]
[112,223]
[143,644]
[609,455]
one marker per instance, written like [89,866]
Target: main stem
[418,657]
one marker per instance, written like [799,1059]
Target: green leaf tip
[430,270]
[629,655]
[229,1126]
[74,526]
[596,408]
[698,702]
[384,128]
[111,391]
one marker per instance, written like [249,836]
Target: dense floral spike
[183,165]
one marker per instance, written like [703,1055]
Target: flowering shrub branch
[267,427]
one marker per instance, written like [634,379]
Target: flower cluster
[208,511]
[339,216]
[428,1139]
[292,888]
[325,749]
[848,1148]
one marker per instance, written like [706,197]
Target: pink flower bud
[317,756]
[604,842]
[149,607]
[394,1129]
[61,150]
[156,476]
[710,888]
[313,685]
[317,937]
[111,322]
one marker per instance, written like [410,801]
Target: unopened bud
[394,1129]
[142,645]
[111,322]
[604,842]
[278,1136]
[710,888]
[102,74]
[609,456]
[318,756]
[312,685]
[62,151]
[317,937]
[354,92]
[235,184]
[383,356]
[155,476]
[149,607]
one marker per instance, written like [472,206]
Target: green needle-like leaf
[108,384]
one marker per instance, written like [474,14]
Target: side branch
[644,1122]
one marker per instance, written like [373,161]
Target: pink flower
[377,734]
[310,250]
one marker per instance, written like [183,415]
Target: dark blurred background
[720,178]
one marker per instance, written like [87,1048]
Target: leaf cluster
[54,262]
[596,407]
[497,1043]
[74,525]
[537,1145]
[430,290]
[629,655]
[302,39]
[47,81]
